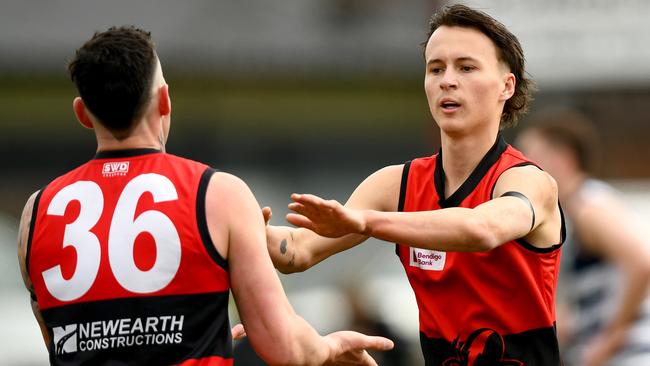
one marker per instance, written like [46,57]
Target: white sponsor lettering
[137,326]
[114,169]
[151,325]
[110,326]
[119,333]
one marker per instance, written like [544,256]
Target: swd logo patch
[116,168]
[65,339]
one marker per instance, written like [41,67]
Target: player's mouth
[449,105]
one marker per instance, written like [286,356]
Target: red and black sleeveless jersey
[485,308]
[123,267]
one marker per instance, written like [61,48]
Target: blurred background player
[480,239]
[606,260]
[130,257]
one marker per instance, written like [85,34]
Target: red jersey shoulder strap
[202,221]
[30,235]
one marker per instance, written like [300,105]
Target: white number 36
[123,231]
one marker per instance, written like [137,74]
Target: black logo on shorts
[484,347]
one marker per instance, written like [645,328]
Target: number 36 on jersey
[124,228]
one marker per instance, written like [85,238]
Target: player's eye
[466,68]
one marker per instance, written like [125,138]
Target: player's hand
[238,332]
[277,243]
[326,218]
[349,348]
[267,213]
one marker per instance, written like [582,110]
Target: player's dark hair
[509,51]
[113,72]
[569,129]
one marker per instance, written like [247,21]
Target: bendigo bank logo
[118,168]
[65,339]
[431,260]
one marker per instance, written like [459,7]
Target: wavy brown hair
[509,52]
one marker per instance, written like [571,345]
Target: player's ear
[164,102]
[509,82]
[82,113]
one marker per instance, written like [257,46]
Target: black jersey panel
[159,330]
[486,347]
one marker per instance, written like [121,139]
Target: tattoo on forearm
[283,250]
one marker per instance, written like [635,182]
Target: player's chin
[457,125]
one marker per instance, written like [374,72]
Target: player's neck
[461,154]
[139,138]
[131,142]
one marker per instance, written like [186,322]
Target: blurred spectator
[363,320]
[606,259]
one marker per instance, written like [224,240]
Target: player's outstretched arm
[295,250]
[482,228]
[276,332]
[23,237]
